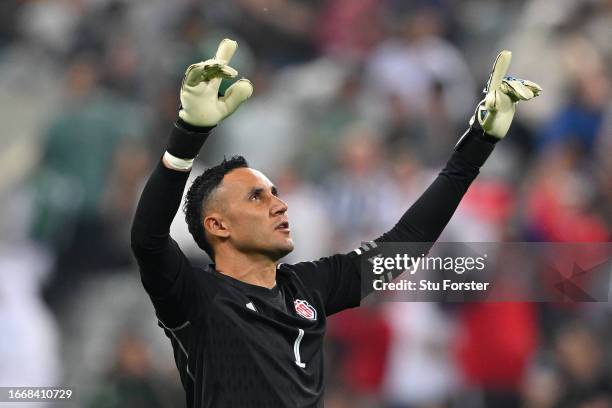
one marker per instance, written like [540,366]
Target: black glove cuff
[186,140]
[475,146]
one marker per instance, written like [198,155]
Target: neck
[254,269]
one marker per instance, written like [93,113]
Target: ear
[216,226]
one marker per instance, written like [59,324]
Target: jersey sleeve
[166,273]
[338,278]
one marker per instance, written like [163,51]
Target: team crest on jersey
[304,309]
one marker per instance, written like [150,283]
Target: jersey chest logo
[304,309]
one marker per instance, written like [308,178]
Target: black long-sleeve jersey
[241,345]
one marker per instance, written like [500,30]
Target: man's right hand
[200,102]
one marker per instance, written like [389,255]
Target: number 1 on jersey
[296,349]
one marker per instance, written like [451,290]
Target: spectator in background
[559,200]
[360,359]
[73,175]
[264,22]
[541,387]
[585,376]
[337,34]
[131,383]
[494,345]
[418,57]
[120,72]
[427,134]
[484,215]
[332,115]
[420,370]
[30,339]
[50,25]
[543,39]
[579,121]
[360,186]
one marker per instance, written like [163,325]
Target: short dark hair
[198,194]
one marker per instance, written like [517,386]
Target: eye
[255,196]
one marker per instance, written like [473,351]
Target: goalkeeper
[247,331]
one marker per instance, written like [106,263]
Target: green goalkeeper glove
[496,111]
[200,102]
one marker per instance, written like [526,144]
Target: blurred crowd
[357,105]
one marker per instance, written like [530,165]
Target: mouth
[283,226]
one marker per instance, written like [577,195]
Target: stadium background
[357,105]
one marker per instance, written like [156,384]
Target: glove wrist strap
[475,145]
[186,140]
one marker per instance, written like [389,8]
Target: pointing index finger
[226,50]
[500,67]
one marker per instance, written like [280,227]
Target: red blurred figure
[364,335]
[496,342]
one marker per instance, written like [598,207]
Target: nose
[279,207]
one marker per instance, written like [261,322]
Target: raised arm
[427,217]
[339,276]
[159,257]
[165,271]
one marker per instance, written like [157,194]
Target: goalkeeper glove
[201,106]
[200,102]
[496,111]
